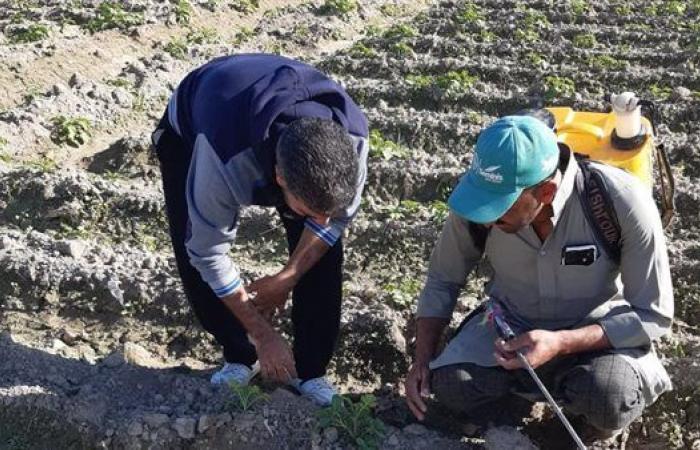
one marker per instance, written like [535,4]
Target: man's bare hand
[276,357]
[538,346]
[418,388]
[270,293]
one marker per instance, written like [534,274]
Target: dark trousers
[316,298]
[602,387]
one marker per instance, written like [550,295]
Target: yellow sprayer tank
[591,134]
[623,138]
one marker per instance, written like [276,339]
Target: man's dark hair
[317,160]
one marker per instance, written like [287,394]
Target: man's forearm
[309,250]
[254,323]
[580,340]
[429,330]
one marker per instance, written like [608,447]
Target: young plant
[243,398]
[469,13]
[455,82]
[673,7]
[579,7]
[558,87]
[73,131]
[402,49]
[244,35]
[360,50]
[203,36]
[530,25]
[400,31]
[112,15]
[245,6]
[380,147]
[354,420]
[623,10]
[120,82]
[338,7]
[25,35]
[659,91]
[585,40]
[403,294]
[392,10]
[183,11]
[177,48]
[603,62]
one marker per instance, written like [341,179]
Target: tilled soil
[99,347]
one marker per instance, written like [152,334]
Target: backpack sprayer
[624,137]
[505,332]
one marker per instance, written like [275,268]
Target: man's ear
[546,191]
[279,178]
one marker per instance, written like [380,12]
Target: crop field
[98,346]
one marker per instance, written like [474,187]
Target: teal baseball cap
[512,154]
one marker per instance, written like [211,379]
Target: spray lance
[506,333]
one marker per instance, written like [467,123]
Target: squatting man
[588,326]
[270,131]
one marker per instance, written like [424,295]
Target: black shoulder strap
[479,234]
[599,209]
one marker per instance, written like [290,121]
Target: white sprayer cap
[628,115]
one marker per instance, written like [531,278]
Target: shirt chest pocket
[585,272]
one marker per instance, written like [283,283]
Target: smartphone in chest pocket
[579,255]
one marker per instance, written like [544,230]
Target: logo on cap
[487,173]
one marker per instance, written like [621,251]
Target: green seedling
[455,81]
[651,10]
[659,91]
[403,294]
[202,36]
[487,36]
[419,81]
[400,31]
[530,25]
[244,35]
[177,48]
[112,15]
[183,11]
[301,32]
[360,50]
[402,49]
[245,6]
[120,82]
[380,147]
[585,40]
[43,164]
[392,10]
[559,87]
[469,13]
[673,7]
[438,210]
[25,35]
[407,209]
[623,10]
[606,62]
[354,420]
[243,398]
[534,58]
[73,131]
[579,7]
[338,7]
